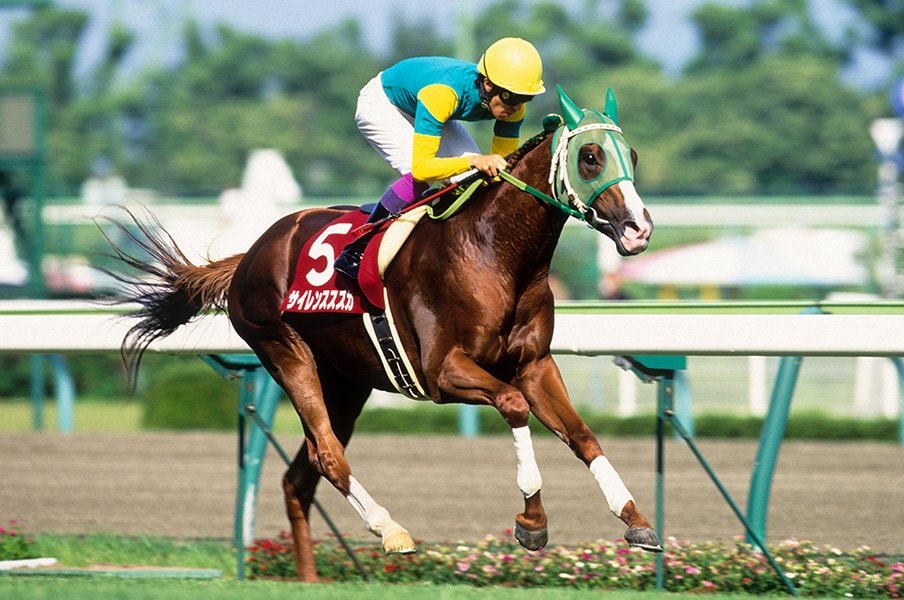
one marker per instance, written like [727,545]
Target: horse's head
[593,172]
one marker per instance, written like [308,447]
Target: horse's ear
[611,109]
[573,114]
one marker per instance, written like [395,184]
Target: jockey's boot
[349,261]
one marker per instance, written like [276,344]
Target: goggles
[511,98]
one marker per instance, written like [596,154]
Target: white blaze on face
[634,238]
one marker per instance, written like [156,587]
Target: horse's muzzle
[630,237]
[634,237]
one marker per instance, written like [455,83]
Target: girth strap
[395,362]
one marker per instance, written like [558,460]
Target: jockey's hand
[490,164]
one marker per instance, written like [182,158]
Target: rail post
[771,436]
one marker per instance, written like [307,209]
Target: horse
[472,308]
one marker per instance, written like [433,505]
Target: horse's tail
[170,289]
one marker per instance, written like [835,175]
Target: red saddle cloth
[319,288]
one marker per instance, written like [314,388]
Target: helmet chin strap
[485,96]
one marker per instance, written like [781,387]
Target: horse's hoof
[643,538]
[532,540]
[399,542]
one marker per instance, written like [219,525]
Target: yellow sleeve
[436,105]
[504,146]
[425,166]
[503,141]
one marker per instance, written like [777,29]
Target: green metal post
[468,421]
[683,401]
[259,394]
[36,285]
[239,525]
[771,439]
[258,399]
[661,369]
[770,442]
[899,367]
[37,391]
[664,399]
[64,391]
[751,534]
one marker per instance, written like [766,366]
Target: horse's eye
[589,159]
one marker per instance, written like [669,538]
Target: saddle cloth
[318,288]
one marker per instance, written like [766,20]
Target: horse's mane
[515,157]
[512,159]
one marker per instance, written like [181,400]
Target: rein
[565,208]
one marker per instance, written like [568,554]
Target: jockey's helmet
[513,64]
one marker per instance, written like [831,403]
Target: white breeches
[391,131]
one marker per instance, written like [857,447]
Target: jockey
[409,113]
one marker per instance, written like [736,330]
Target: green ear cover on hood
[570,110]
[611,109]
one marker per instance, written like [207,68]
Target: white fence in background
[50,327]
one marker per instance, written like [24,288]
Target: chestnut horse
[472,305]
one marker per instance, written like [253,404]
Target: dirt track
[447,488]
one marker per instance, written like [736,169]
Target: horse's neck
[526,228]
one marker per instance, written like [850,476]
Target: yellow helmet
[513,64]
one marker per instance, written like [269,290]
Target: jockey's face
[501,110]
[502,103]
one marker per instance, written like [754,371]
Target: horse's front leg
[544,388]
[462,380]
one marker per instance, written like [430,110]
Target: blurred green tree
[884,31]
[745,117]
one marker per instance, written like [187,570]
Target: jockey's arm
[506,132]
[436,105]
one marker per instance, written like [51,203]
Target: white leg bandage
[529,480]
[375,516]
[611,485]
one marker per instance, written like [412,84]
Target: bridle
[559,177]
[564,195]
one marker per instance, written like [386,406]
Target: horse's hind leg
[292,364]
[344,400]
[300,480]
[299,484]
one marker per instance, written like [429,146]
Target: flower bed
[703,567]
[14,544]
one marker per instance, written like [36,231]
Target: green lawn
[106,416]
[34,588]
[79,551]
